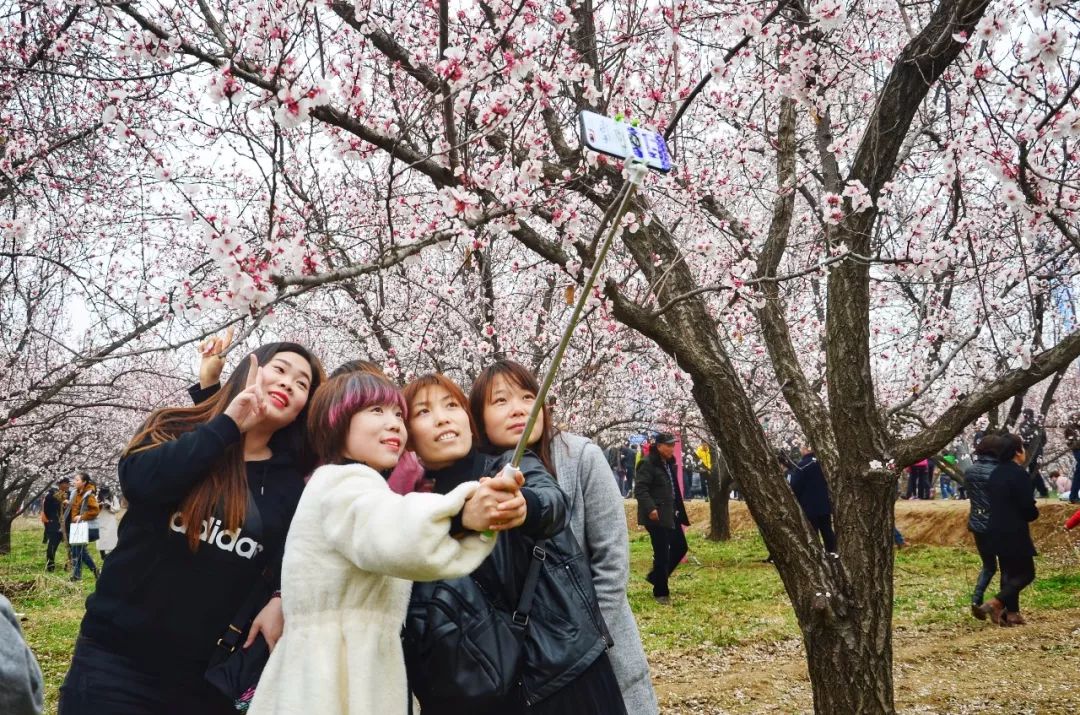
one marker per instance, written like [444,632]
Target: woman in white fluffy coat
[353,548]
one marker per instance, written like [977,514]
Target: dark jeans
[52,539]
[80,554]
[1016,573]
[1074,490]
[104,683]
[668,548]
[989,568]
[823,525]
[918,483]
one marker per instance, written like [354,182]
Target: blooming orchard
[869,239]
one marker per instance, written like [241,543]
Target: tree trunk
[719,479]
[848,636]
[5,534]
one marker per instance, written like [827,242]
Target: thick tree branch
[970,408]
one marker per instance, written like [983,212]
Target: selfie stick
[637,173]
[642,150]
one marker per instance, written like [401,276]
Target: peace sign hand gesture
[249,407]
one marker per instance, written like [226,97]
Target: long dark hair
[226,484]
[516,374]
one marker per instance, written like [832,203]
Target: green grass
[722,597]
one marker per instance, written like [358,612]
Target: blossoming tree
[872,217]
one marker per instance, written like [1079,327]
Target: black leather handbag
[233,669]
[469,653]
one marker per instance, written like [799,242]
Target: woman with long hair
[354,547]
[211,490]
[1012,508]
[500,401]
[565,668]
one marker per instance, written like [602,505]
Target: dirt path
[971,668]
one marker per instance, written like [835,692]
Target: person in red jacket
[1073,521]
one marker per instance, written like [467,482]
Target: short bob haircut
[989,446]
[439,380]
[1011,445]
[333,407]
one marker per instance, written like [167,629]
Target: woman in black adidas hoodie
[211,491]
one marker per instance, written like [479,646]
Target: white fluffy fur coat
[353,549]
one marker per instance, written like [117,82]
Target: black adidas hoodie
[158,602]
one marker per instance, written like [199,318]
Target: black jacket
[977,480]
[811,491]
[656,487]
[1011,508]
[52,507]
[566,633]
[158,602]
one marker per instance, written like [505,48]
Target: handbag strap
[259,596]
[528,590]
[238,626]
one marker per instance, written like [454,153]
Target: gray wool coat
[598,521]
[22,691]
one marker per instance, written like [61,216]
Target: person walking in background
[1011,509]
[1059,482]
[108,522]
[84,510]
[812,493]
[661,512]
[978,488]
[52,516]
[628,460]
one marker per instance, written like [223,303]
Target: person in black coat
[52,510]
[1012,508]
[661,512]
[812,493]
[977,478]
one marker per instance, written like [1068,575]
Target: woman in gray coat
[597,519]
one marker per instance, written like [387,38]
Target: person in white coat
[353,548]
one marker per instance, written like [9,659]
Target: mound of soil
[940,522]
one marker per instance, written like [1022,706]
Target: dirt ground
[972,668]
[966,667]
